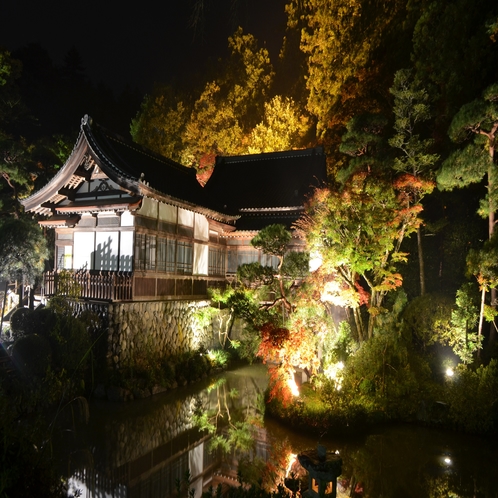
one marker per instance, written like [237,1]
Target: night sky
[138,43]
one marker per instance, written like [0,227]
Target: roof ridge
[265,156]
[144,151]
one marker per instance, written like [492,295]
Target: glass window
[216,265]
[140,251]
[150,252]
[171,256]
[184,257]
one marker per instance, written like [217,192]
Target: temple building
[134,225]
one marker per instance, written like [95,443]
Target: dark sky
[137,43]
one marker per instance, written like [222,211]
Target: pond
[216,429]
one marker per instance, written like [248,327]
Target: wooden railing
[90,284]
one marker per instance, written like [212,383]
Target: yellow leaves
[283,127]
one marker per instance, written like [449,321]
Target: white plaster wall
[201,228]
[185,217]
[127,219]
[106,250]
[84,243]
[168,213]
[201,258]
[148,208]
[126,252]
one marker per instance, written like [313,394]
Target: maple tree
[357,231]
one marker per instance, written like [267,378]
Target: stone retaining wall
[158,328]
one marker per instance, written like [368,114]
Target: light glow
[291,460]
[293,386]
[334,372]
[449,372]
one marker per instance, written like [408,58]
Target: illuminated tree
[14,152]
[466,58]
[364,142]
[23,251]
[357,231]
[160,123]
[340,39]
[483,265]
[283,127]
[411,107]
[464,319]
[220,119]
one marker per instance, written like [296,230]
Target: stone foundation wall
[159,329]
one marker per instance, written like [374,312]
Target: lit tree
[340,39]
[411,107]
[364,142]
[464,320]
[283,127]
[23,251]
[357,232]
[160,123]
[483,265]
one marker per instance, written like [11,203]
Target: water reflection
[216,431]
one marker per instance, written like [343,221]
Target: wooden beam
[68,192]
[84,173]
[48,205]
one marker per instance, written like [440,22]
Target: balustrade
[90,284]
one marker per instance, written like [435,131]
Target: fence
[90,284]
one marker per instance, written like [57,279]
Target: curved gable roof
[135,169]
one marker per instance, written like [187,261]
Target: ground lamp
[323,467]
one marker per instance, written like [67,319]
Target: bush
[218,357]
[44,321]
[427,319]
[70,342]
[21,323]
[32,354]
[472,397]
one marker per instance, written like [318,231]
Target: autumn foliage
[284,350]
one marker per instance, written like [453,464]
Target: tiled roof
[131,161]
[256,190]
[266,188]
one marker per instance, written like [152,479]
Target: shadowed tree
[483,264]
[477,124]
[23,251]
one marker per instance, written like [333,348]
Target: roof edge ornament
[86,120]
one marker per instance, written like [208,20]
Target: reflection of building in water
[142,453]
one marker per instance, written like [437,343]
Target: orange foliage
[364,295]
[206,167]
[273,336]
[278,385]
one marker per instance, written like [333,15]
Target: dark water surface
[140,449]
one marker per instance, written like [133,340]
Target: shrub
[70,342]
[32,354]
[218,357]
[472,397]
[21,323]
[44,321]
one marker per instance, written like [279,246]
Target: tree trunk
[4,304]
[358,323]
[491,220]
[481,320]
[421,261]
